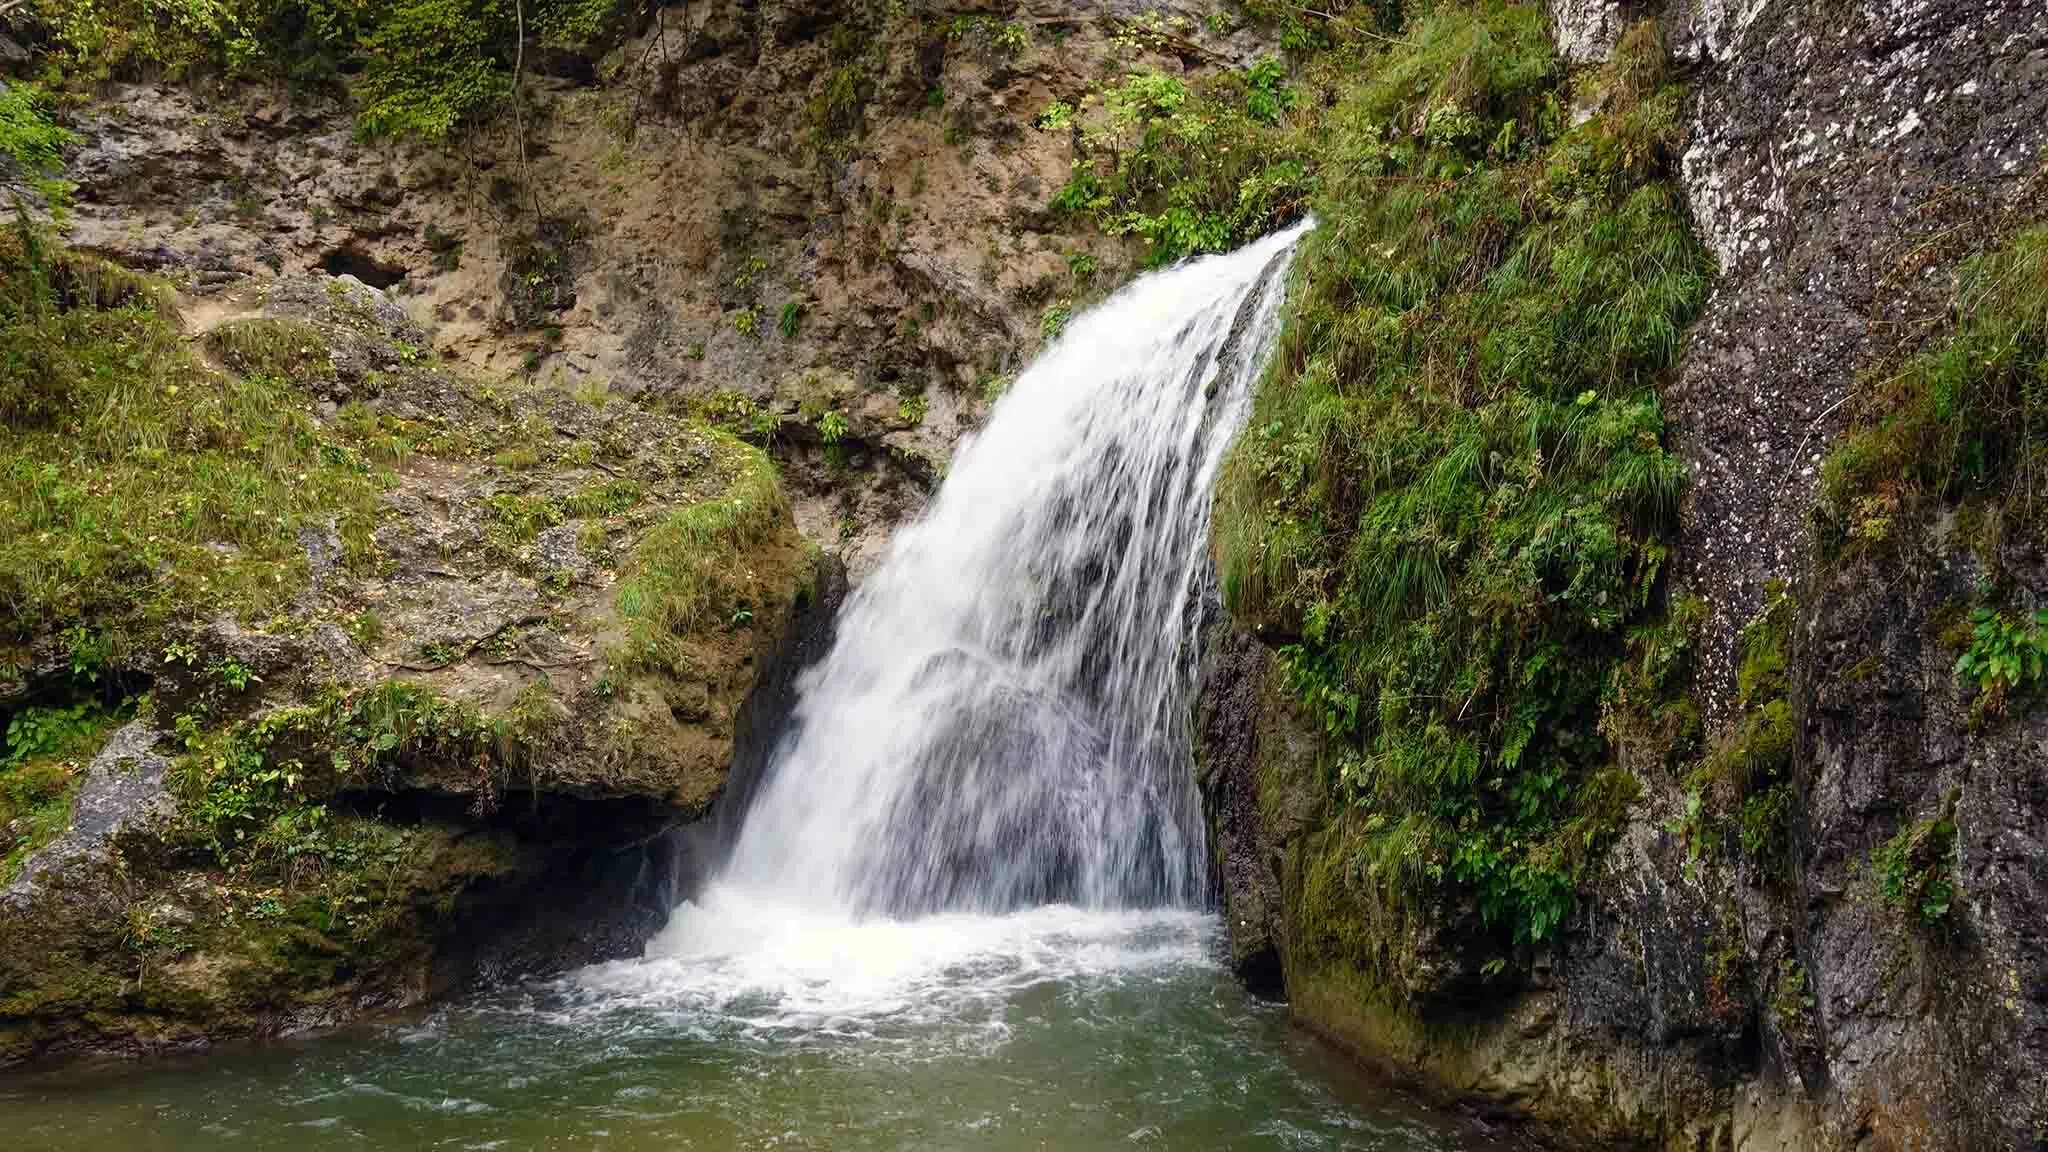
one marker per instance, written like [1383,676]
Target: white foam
[736,957]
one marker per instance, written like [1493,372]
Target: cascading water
[985,782]
[1000,723]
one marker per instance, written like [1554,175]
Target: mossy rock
[431,634]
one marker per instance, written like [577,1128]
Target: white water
[985,784]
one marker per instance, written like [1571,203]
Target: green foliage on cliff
[2006,656]
[255,792]
[31,144]
[1965,421]
[696,569]
[1741,793]
[418,67]
[1453,493]
[43,759]
[141,485]
[1916,868]
[1189,168]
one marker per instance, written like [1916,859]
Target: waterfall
[1001,720]
[989,770]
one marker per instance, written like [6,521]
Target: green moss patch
[1740,795]
[1453,498]
[42,765]
[1916,869]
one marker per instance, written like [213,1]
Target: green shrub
[424,68]
[1453,495]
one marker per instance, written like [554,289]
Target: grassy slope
[1453,497]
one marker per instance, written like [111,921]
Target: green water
[1065,1036]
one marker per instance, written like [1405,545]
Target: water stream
[969,905]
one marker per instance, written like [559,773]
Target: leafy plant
[792,318]
[235,674]
[1013,39]
[1188,169]
[911,409]
[42,764]
[1266,93]
[32,144]
[1916,868]
[1057,117]
[833,426]
[2006,657]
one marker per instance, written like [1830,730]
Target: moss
[1792,1001]
[1743,788]
[156,952]
[1453,498]
[42,765]
[143,486]
[258,898]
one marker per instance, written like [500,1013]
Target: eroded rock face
[478,720]
[724,221]
[1839,158]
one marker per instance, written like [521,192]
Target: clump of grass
[1963,422]
[1453,496]
[292,350]
[690,571]
[140,485]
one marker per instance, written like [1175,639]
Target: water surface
[1054,1028]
